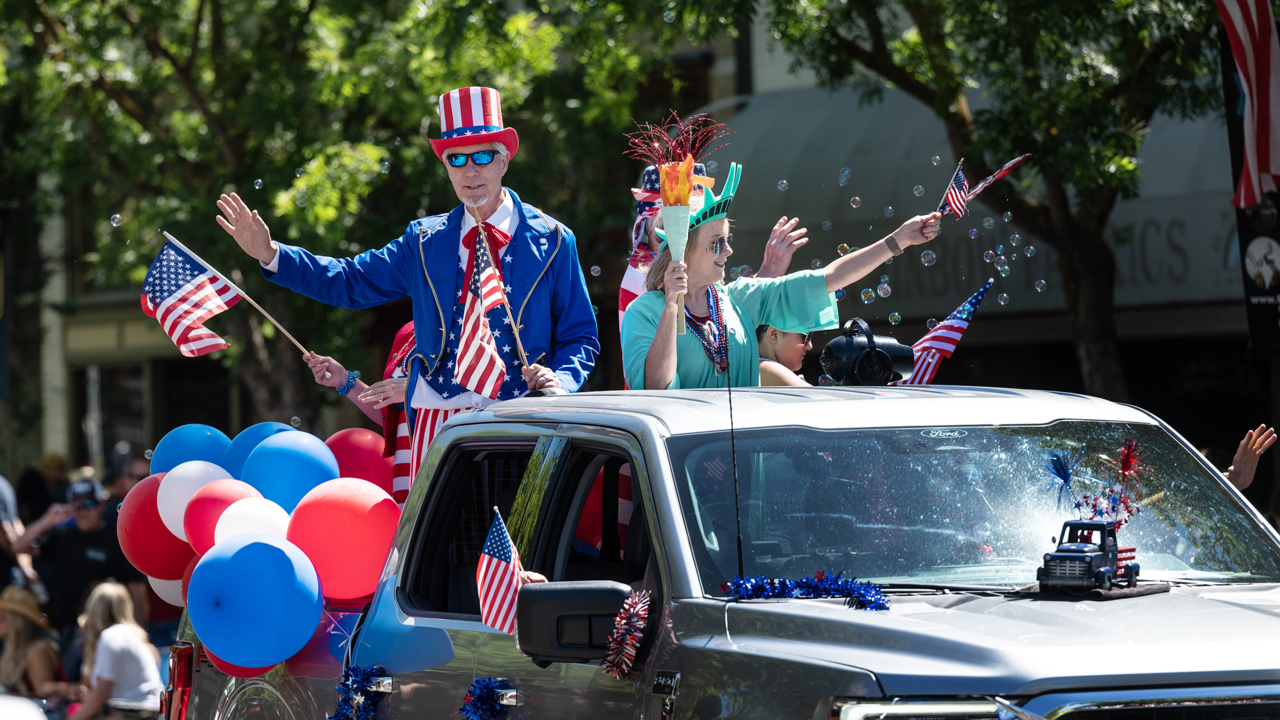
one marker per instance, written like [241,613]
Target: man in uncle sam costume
[534,255]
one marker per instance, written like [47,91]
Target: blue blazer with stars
[548,293]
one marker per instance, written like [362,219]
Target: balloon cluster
[251,535]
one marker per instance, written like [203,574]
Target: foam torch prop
[678,181]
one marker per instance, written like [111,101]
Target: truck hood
[970,644]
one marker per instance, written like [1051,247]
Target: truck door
[424,625]
[592,526]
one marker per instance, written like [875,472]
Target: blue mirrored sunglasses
[482,157]
[719,243]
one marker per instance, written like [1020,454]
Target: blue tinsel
[1060,470]
[864,596]
[481,702]
[356,699]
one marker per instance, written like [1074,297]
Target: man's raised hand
[247,227]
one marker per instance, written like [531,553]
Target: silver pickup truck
[938,494]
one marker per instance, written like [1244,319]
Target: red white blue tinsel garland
[863,595]
[356,698]
[481,702]
[628,631]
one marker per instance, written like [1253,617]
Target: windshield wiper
[943,587]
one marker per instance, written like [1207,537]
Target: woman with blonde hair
[30,657]
[120,662]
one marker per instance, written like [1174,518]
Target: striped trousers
[425,430]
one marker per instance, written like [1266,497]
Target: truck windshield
[962,506]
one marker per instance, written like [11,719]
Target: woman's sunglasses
[719,243]
[482,157]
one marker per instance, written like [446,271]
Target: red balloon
[234,670]
[146,542]
[345,527]
[359,453]
[186,577]
[206,506]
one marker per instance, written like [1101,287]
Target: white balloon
[169,591]
[178,486]
[251,515]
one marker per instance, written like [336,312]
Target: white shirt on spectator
[124,658]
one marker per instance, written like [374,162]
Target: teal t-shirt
[798,302]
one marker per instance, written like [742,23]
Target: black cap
[85,490]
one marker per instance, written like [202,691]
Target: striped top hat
[472,116]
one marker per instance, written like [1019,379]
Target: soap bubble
[918,190]
[1041,285]
[669,16]
[1030,251]
[295,421]
[999,249]
[747,271]
[1015,239]
[396,142]
[839,293]
[1013,256]
[1003,299]
[928,257]
[116,220]
[595,271]
[842,181]
[842,248]
[855,202]
[931,323]
[712,167]
[973,233]
[825,380]
[1000,259]
[595,309]
[988,223]
[936,160]
[782,185]
[888,261]
[826,224]
[147,453]
[868,295]
[297,172]
[816,264]
[883,290]
[386,167]
[735,273]
[301,199]
[894,318]
[884,278]
[1004,270]
[988,256]
[888,211]
[845,172]
[1007,216]
[257,184]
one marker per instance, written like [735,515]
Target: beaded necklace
[712,335]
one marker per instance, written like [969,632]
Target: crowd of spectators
[79,626]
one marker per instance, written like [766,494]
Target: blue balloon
[286,466]
[254,599]
[248,439]
[189,442]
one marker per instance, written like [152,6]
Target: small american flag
[941,341]
[181,291]
[498,578]
[1008,167]
[480,367]
[957,196]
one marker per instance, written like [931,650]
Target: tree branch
[195,36]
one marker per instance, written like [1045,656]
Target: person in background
[80,553]
[129,472]
[1245,462]
[30,658]
[37,488]
[782,355]
[120,662]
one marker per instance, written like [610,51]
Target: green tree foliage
[1075,82]
[151,109]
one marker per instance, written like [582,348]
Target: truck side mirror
[567,621]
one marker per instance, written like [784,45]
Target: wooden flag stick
[484,238]
[224,279]
[944,193]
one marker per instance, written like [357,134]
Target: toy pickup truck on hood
[935,493]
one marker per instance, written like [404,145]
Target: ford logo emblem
[944,434]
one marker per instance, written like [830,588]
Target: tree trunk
[1088,270]
[274,374]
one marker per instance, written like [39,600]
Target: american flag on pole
[941,341]
[971,194]
[480,367]
[1251,31]
[957,196]
[498,578]
[181,291]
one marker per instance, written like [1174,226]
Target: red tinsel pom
[628,630]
